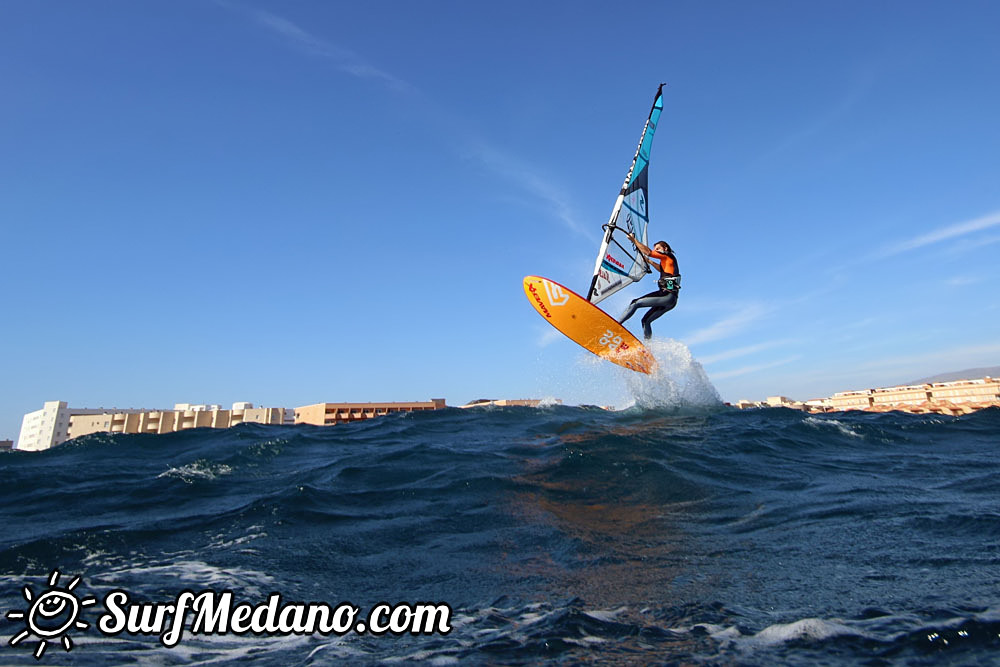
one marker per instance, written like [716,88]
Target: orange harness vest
[670,279]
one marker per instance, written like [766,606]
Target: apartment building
[902,395]
[523,402]
[983,390]
[325,414]
[957,396]
[50,426]
[851,400]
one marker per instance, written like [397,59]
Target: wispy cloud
[825,119]
[965,245]
[728,326]
[542,191]
[945,234]
[755,368]
[962,281]
[935,361]
[300,39]
[742,351]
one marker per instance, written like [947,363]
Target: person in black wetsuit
[665,297]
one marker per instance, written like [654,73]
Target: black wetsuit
[659,302]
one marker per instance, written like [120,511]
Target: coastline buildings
[954,398]
[524,402]
[957,397]
[772,402]
[325,414]
[183,416]
[56,422]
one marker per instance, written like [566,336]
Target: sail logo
[609,258]
[557,297]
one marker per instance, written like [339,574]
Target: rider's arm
[643,249]
[652,254]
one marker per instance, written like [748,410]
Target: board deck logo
[557,297]
[613,342]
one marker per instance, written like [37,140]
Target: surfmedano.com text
[215,613]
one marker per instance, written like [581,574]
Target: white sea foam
[197,470]
[195,574]
[206,649]
[605,615]
[816,629]
[225,541]
[815,422]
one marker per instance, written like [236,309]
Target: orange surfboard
[586,324]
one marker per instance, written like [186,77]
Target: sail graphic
[619,263]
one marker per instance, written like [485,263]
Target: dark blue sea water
[557,534]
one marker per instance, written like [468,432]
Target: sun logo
[51,615]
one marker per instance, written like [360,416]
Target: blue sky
[297,202]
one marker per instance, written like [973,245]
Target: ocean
[681,533]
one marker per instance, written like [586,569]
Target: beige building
[523,402]
[324,414]
[782,402]
[960,396]
[903,395]
[983,390]
[851,400]
[182,417]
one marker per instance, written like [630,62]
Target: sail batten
[616,266]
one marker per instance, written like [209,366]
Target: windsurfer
[665,297]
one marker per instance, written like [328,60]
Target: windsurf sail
[619,263]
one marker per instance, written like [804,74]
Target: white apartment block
[56,423]
[50,426]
